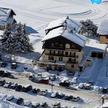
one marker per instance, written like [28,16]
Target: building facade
[6,18]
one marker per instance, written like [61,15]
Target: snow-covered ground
[38,13]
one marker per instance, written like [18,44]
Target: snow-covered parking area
[91,99]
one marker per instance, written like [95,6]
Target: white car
[105,105]
[53,95]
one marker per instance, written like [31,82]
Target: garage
[99,55]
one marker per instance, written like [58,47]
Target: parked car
[45,105]
[3,64]
[2,73]
[20,101]
[6,74]
[65,83]
[52,77]
[13,65]
[59,96]
[18,88]
[85,86]
[69,98]
[104,90]
[7,85]
[11,99]
[76,99]
[13,85]
[28,88]
[57,105]
[28,104]
[105,105]
[39,79]
[72,88]
[34,91]
[2,82]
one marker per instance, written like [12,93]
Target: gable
[59,43]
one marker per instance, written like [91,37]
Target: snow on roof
[62,21]
[4,15]
[103,28]
[95,46]
[53,33]
[74,37]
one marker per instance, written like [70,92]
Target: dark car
[4,64]
[64,84]
[18,88]
[13,65]
[20,101]
[2,82]
[2,72]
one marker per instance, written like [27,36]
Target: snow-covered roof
[64,21]
[4,15]
[95,46]
[103,28]
[74,37]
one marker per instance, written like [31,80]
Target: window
[52,51]
[70,60]
[60,52]
[70,53]
[67,46]
[100,55]
[94,54]
[60,58]
[66,53]
[61,45]
[72,66]
[106,37]
[50,58]
[52,44]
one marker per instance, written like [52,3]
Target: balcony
[49,46]
[62,55]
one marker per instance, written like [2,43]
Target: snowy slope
[97,73]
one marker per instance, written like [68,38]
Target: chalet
[62,46]
[6,18]
[103,32]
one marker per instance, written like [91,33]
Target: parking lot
[91,99]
